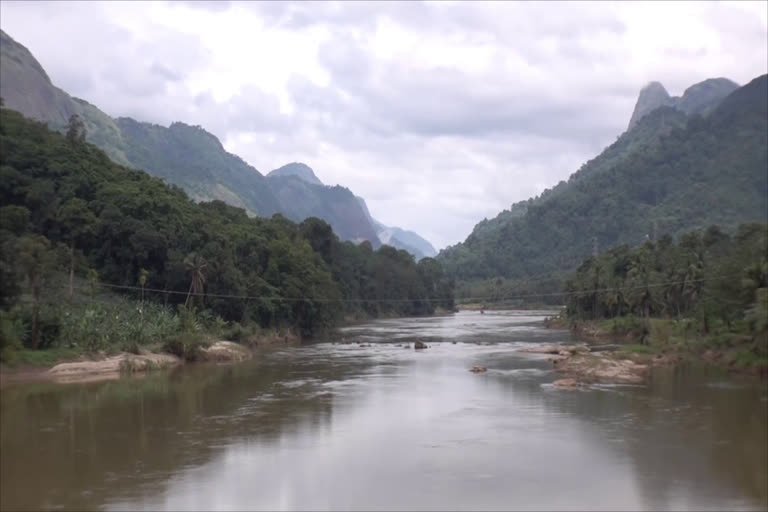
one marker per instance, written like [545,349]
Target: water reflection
[337,426]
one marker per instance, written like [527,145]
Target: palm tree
[195,265]
[35,258]
[143,275]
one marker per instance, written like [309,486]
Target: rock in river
[225,351]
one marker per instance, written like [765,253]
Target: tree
[77,222]
[75,130]
[143,275]
[195,265]
[35,259]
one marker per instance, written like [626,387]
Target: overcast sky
[438,114]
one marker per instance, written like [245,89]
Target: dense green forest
[669,174]
[711,284]
[72,221]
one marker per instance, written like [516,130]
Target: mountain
[183,155]
[651,97]
[697,99]
[300,170]
[26,88]
[311,200]
[400,238]
[180,154]
[195,160]
[336,205]
[670,174]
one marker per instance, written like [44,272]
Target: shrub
[186,345]
[12,332]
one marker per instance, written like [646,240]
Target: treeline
[718,281]
[70,216]
[511,293]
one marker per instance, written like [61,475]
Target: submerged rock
[566,383]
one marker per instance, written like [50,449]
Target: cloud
[438,113]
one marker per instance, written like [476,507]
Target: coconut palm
[143,275]
[195,265]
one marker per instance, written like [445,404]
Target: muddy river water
[339,426]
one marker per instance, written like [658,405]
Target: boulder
[225,351]
[418,345]
[593,368]
[111,367]
[566,383]
[478,369]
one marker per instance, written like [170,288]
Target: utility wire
[340,300]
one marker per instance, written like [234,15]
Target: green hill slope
[182,155]
[669,171]
[65,203]
[195,160]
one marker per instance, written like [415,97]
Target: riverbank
[671,341]
[73,365]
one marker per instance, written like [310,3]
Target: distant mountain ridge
[396,237]
[183,155]
[336,205]
[697,99]
[400,238]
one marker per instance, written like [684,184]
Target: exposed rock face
[699,98]
[26,88]
[651,97]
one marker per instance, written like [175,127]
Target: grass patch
[751,358]
[48,357]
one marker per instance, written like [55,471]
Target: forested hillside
[669,174]
[183,155]
[708,291]
[195,160]
[67,206]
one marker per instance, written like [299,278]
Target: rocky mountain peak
[699,97]
[298,169]
[651,97]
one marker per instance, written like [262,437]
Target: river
[337,426]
